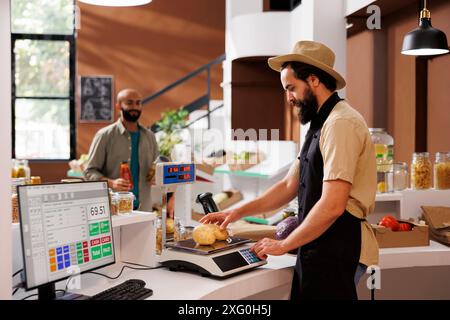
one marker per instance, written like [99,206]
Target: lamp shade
[425,40]
[117,3]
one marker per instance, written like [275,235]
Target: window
[43,82]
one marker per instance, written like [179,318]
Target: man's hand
[120,184]
[223,217]
[269,246]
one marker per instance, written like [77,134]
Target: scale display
[176,173]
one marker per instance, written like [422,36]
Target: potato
[208,234]
[218,233]
[204,235]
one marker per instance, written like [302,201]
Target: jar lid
[125,195]
[421,154]
[376,130]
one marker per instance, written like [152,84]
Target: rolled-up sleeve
[341,146]
[96,159]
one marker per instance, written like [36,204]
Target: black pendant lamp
[425,40]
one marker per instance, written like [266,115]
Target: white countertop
[168,285]
[435,254]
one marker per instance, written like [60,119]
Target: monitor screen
[66,228]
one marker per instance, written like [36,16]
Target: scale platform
[222,259]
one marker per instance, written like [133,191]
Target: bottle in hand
[125,173]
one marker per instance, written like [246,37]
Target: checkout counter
[135,245]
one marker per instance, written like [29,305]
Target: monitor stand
[48,292]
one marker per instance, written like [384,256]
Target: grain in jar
[421,171]
[442,171]
[400,176]
[125,203]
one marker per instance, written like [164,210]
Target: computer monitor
[65,227]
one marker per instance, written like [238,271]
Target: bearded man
[334,179]
[125,141]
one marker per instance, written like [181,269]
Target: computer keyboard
[133,289]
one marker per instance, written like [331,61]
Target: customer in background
[334,179]
[125,141]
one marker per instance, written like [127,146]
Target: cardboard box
[251,231]
[205,168]
[234,196]
[438,218]
[417,237]
[244,164]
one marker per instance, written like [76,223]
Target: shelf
[435,254]
[134,217]
[263,170]
[395,196]
[73,174]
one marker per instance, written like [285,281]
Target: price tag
[97,211]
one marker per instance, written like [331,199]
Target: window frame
[71,39]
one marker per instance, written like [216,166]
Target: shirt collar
[325,110]
[122,128]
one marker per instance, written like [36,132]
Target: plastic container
[421,171]
[442,171]
[125,203]
[400,176]
[384,154]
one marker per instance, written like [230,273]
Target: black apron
[325,267]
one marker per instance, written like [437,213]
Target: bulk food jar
[400,176]
[125,202]
[442,171]
[421,171]
[384,153]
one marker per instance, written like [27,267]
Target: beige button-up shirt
[348,154]
[111,146]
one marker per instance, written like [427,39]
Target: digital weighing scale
[222,259]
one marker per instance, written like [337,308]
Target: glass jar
[15,208]
[35,180]
[421,171]
[158,235]
[384,146]
[125,202]
[114,202]
[400,176]
[13,168]
[178,233]
[442,171]
[384,154]
[22,169]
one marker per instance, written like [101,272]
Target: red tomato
[389,222]
[403,226]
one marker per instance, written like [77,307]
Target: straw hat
[312,53]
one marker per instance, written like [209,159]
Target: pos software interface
[65,227]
